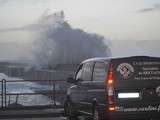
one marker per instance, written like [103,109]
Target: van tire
[69,111]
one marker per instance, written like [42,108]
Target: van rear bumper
[132,116]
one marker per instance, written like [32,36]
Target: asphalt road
[47,114]
[50,118]
[54,118]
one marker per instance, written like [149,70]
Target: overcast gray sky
[127,20]
[115,19]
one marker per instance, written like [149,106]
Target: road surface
[54,118]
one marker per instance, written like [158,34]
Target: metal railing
[53,94]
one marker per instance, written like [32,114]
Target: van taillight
[111,108]
[110,78]
[110,89]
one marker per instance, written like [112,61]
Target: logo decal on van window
[126,70]
[158,91]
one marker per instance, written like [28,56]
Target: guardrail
[54,95]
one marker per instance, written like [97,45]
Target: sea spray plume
[59,43]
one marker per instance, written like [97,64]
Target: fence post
[2,94]
[54,90]
[5,91]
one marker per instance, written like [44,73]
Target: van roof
[104,59]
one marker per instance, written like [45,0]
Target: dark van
[115,89]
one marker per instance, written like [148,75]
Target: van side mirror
[71,80]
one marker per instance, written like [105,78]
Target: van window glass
[100,70]
[79,73]
[87,71]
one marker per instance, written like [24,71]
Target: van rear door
[137,84]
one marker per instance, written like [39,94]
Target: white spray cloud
[55,42]
[59,43]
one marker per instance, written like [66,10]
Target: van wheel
[69,111]
[95,114]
